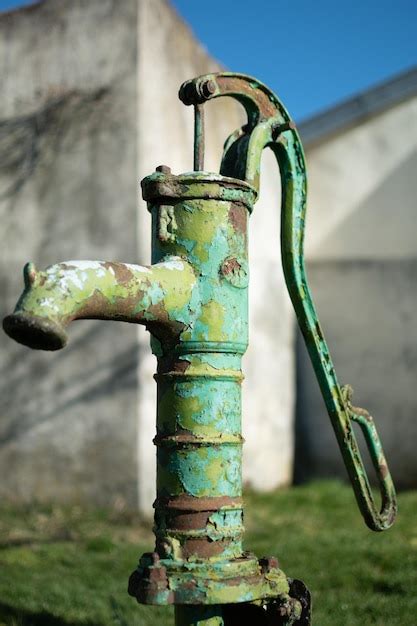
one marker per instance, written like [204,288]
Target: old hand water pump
[194,301]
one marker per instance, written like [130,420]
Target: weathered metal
[194,301]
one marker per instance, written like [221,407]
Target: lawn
[69,567]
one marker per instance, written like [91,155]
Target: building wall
[91,107]
[362,266]
[68,111]
[268,389]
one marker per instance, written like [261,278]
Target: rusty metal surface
[194,301]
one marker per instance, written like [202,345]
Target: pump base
[245,579]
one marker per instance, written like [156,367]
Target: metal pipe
[99,290]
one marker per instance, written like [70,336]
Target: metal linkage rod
[199,138]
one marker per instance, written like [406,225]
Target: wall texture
[69,190]
[89,106]
[362,252]
[165,135]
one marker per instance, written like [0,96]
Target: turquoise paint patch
[219,401]
[218,360]
[209,471]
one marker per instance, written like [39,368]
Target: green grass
[65,566]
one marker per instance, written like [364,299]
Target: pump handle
[269,125]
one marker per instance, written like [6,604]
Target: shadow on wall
[34,139]
[111,376]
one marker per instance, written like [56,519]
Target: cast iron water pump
[194,301]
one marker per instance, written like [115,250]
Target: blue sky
[312,53]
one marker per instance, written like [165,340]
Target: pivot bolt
[155,558]
[267,563]
[164,169]
[207,88]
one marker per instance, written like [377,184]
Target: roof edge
[359,108]
[30,6]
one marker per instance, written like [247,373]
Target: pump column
[199,460]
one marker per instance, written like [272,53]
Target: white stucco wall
[346,172]
[268,389]
[362,253]
[68,419]
[77,425]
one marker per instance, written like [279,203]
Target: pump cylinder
[198,510]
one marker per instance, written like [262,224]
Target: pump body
[199,557]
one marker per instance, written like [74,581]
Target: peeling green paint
[194,301]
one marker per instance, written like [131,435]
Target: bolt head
[267,563]
[208,88]
[164,169]
[155,558]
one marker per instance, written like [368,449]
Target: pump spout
[156,296]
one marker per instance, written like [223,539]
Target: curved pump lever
[269,125]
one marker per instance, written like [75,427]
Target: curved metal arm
[291,164]
[269,125]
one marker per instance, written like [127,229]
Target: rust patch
[99,307]
[181,438]
[186,520]
[158,312]
[203,548]
[192,503]
[383,469]
[233,84]
[166,332]
[238,216]
[162,328]
[121,272]
[230,266]
[170,364]
[267,563]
